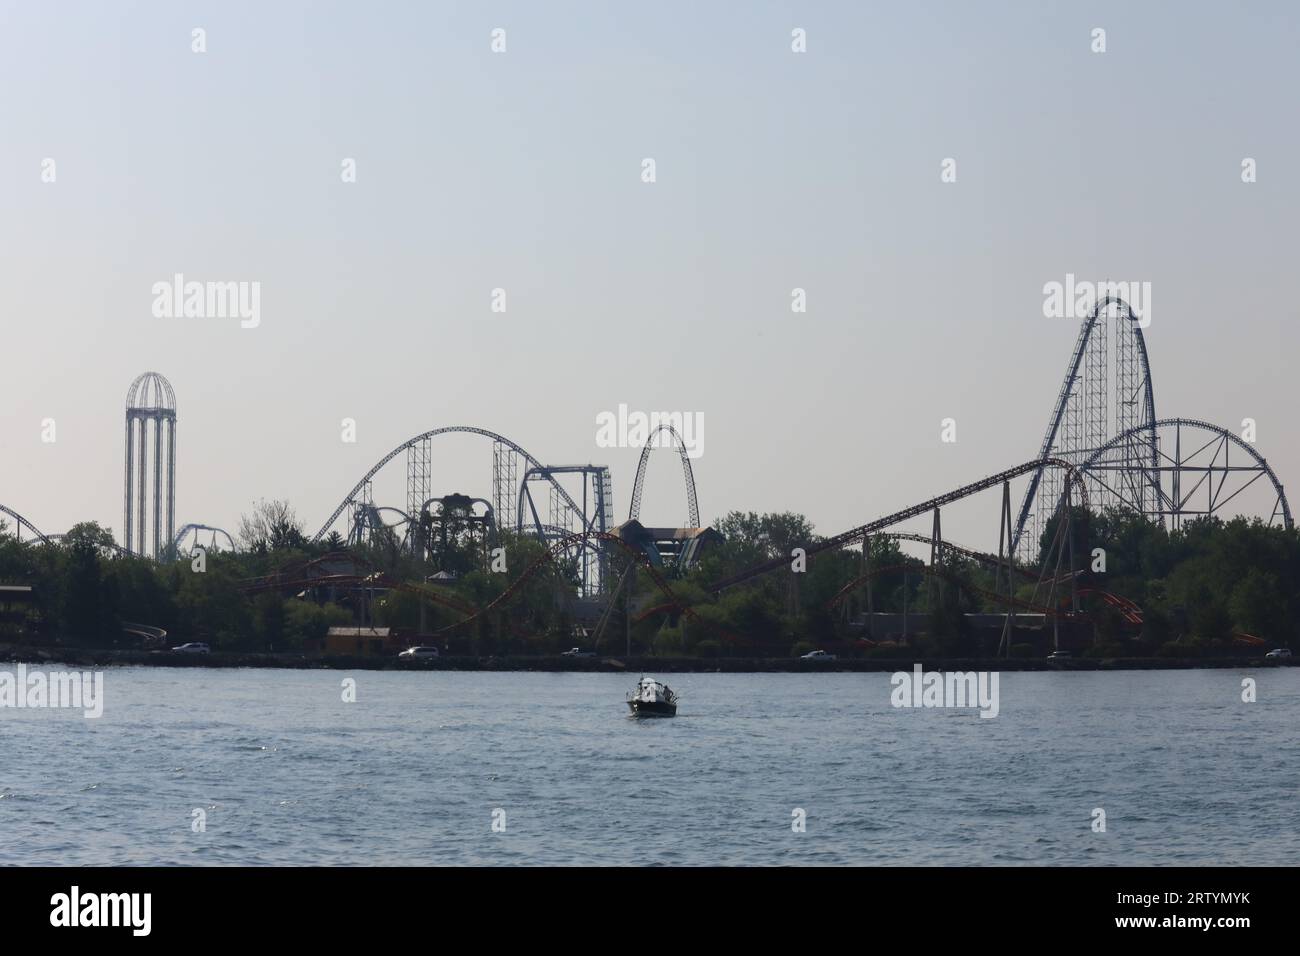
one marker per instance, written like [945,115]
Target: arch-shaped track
[1080,419]
[981,556]
[371,520]
[195,528]
[22,523]
[692,502]
[425,436]
[113,546]
[36,534]
[1172,501]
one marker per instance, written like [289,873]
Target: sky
[523,170]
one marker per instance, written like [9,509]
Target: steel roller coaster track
[854,535]
[692,502]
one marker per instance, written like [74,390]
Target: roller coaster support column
[1074,578]
[1069,545]
[1062,536]
[905,605]
[866,569]
[627,604]
[936,559]
[609,608]
[1062,543]
[1004,542]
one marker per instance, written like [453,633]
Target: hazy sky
[523,171]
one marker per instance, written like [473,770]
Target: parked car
[577,652]
[194,647]
[1060,656]
[420,650]
[817,656]
[1279,652]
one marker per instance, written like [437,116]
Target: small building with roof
[669,547]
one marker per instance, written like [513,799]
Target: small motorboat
[652,699]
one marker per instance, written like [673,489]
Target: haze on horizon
[522,170]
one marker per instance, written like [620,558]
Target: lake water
[413,771]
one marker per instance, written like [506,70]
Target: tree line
[1209,587]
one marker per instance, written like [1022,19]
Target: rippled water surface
[412,772]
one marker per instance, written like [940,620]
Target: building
[149,512]
[669,547]
[358,641]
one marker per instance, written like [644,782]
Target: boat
[652,699]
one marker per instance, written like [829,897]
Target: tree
[90,535]
[305,621]
[1210,619]
[752,538]
[269,621]
[1257,604]
[210,606]
[87,609]
[272,526]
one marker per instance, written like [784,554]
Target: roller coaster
[1103,439]
[512,502]
[21,524]
[1082,416]
[638,486]
[1103,447]
[192,531]
[1104,422]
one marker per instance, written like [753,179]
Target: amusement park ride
[1103,447]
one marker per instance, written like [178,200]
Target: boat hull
[651,708]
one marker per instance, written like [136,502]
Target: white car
[195,647]
[419,651]
[817,656]
[1279,652]
[577,652]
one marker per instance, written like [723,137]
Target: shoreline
[89,658]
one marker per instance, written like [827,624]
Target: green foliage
[1199,587]
[668,643]
[305,621]
[271,526]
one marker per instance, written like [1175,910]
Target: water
[411,773]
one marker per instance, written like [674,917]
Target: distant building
[150,507]
[669,547]
[358,641]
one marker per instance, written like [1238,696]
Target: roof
[358,631]
[634,529]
